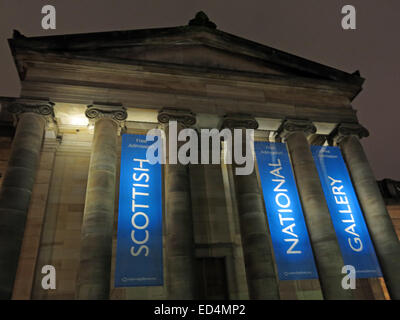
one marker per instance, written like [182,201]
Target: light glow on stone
[78,121]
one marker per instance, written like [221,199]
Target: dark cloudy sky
[308,28]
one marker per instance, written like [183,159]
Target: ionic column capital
[343,130]
[290,126]
[44,108]
[116,113]
[239,120]
[182,116]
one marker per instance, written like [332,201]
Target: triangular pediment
[195,55]
[198,45]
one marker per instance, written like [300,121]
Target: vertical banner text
[139,241]
[348,220]
[289,234]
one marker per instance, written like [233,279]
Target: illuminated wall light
[78,121]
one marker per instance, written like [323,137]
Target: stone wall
[60,236]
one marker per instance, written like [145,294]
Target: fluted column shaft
[386,243]
[256,241]
[93,281]
[325,246]
[180,249]
[15,194]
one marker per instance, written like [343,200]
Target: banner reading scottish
[139,240]
[292,248]
[348,220]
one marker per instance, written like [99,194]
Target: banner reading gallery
[348,220]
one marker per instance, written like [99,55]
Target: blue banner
[348,221]
[139,241]
[293,253]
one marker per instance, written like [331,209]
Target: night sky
[307,28]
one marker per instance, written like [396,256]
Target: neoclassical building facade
[61,150]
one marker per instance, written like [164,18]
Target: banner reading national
[292,248]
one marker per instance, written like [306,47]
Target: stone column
[256,241]
[97,226]
[387,245]
[180,250]
[17,186]
[327,254]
